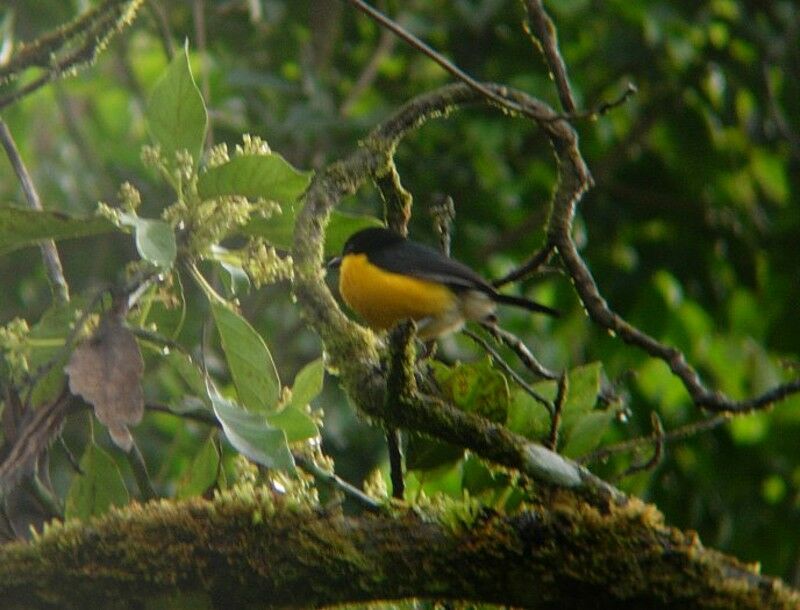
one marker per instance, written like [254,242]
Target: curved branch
[355,352]
[253,548]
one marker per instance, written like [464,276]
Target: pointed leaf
[296,423]
[269,177]
[527,417]
[584,386]
[21,227]
[279,229]
[176,113]
[251,435]
[155,239]
[99,487]
[308,383]
[155,242]
[47,337]
[587,433]
[249,360]
[203,472]
[476,387]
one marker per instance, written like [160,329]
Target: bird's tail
[509,299]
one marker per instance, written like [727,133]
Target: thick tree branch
[355,352]
[252,548]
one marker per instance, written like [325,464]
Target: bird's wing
[425,263]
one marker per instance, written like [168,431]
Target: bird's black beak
[334,263]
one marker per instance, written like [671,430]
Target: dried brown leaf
[106,371]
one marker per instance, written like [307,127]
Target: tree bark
[251,548]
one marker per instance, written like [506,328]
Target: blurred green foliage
[691,231]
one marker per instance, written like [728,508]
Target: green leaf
[587,433]
[476,387]
[296,423]
[159,310]
[47,339]
[251,435]
[425,453]
[235,279]
[203,472]
[308,383]
[269,176]
[191,383]
[279,229]
[527,417]
[445,479]
[478,478]
[583,388]
[233,276]
[155,242]
[176,113]
[99,487]
[155,239]
[21,227]
[249,360]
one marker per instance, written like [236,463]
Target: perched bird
[386,278]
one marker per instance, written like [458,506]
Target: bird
[386,278]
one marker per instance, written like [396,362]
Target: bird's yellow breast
[384,298]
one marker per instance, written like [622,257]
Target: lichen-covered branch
[355,352]
[252,548]
[542,28]
[67,47]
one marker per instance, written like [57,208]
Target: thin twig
[445,63]
[199,18]
[370,72]
[532,265]
[657,438]
[160,17]
[558,405]
[679,433]
[543,32]
[335,480]
[90,31]
[520,349]
[498,359]
[541,26]
[199,416]
[395,463]
[444,213]
[52,262]
[307,464]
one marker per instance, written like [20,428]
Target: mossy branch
[68,47]
[355,352]
[250,548]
